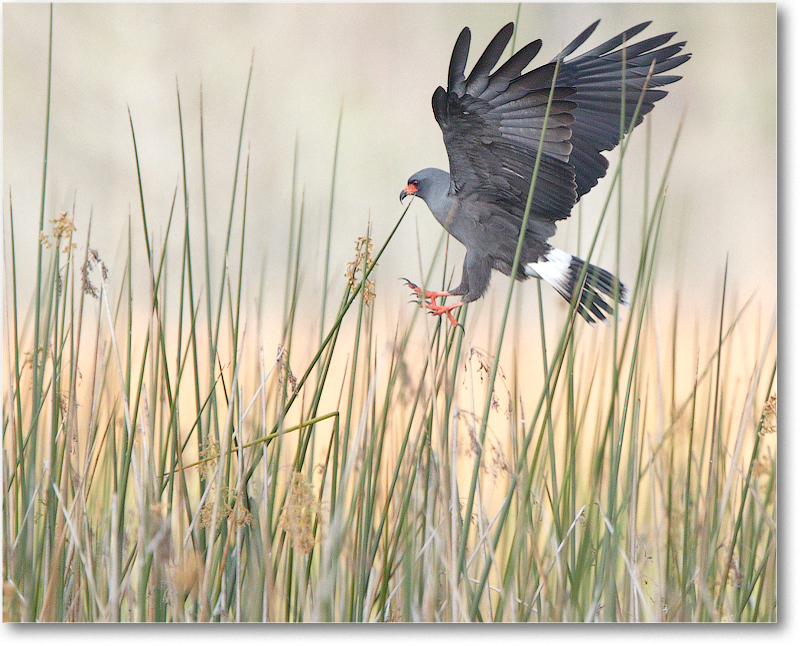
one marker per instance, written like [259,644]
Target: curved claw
[420,299]
[429,295]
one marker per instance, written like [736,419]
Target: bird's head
[430,183]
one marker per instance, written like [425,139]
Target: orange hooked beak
[408,190]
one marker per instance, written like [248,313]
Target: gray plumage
[492,125]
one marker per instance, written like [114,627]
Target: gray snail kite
[492,126]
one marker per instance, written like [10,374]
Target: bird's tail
[563,270]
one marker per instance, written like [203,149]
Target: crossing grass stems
[186,466]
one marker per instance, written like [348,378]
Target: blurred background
[380,63]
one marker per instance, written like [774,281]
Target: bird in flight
[492,126]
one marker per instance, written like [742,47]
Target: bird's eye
[414,182]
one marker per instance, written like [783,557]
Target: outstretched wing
[492,122]
[597,78]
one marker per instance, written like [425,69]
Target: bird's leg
[430,302]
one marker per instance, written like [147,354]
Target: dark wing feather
[582,38]
[458,62]
[479,76]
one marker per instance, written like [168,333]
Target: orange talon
[429,296]
[438,310]
[430,302]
